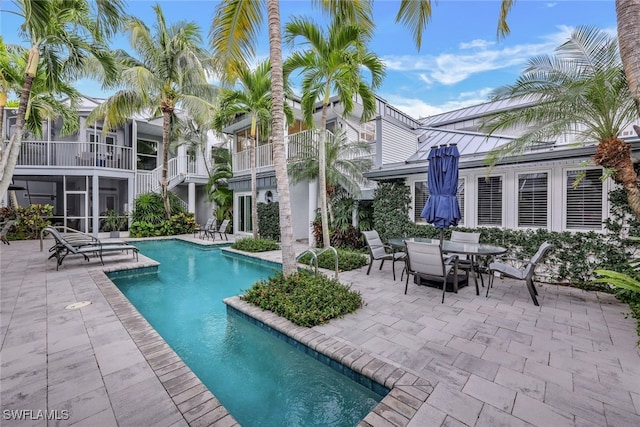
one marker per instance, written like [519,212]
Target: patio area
[493,361]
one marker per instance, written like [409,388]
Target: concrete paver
[471,361]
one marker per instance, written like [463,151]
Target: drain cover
[77,305]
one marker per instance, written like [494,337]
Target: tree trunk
[322,177]
[164,184]
[16,137]
[628,16]
[616,154]
[254,189]
[289,265]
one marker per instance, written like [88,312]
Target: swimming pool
[260,379]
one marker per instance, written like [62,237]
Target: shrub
[29,221]
[303,298]
[391,202]
[180,223]
[149,207]
[269,220]
[347,260]
[249,244]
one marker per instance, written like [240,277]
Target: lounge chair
[5,229]
[203,230]
[426,261]
[524,273]
[64,247]
[380,251]
[222,229]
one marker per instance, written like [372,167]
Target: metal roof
[470,144]
[475,111]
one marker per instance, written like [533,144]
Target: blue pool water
[260,379]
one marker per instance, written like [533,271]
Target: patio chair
[222,229]
[64,247]
[203,229]
[466,262]
[523,273]
[5,229]
[426,261]
[380,251]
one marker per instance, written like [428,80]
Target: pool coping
[199,406]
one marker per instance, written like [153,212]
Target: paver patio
[481,361]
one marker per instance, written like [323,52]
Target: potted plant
[114,223]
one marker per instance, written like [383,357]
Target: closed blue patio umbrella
[442,208]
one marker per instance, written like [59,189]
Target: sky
[461,59]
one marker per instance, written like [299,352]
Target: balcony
[297,146]
[65,154]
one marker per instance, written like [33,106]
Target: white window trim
[604,201]
[549,173]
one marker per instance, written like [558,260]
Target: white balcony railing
[73,153]
[179,168]
[297,146]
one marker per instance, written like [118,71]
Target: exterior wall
[300,210]
[397,144]
[556,192]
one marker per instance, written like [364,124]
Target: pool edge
[407,391]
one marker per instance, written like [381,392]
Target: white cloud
[550,5]
[418,108]
[479,56]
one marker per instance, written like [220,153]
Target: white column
[95,211]
[192,197]
[313,206]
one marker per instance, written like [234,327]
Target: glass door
[76,209]
[244,217]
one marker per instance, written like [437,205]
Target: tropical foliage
[249,244]
[168,72]
[580,90]
[303,298]
[64,38]
[332,62]
[218,185]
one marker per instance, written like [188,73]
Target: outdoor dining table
[465,248]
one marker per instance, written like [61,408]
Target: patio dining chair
[465,262]
[426,261]
[525,272]
[380,251]
[222,230]
[202,230]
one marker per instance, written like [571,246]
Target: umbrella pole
[441,236]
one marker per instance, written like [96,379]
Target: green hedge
[269,220]
[303,298]
[249,244]
[347,260]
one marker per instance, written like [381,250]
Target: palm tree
[168,73]
[233,34]
[346,161]
[332,62]
[218,184]
[583,85]
[63,36]
[628,16]
[253,99]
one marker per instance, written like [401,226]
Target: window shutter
[461,200]
[490,200]
[532,200]
[420,199]
[584,202]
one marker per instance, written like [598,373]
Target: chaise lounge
[77,245]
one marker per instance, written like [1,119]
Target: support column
[313,206]
[192,197]
[95,205]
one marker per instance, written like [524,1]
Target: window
[244,214]
[420,199]
[147,154]
[532,200]
[584,199]
[422,195]
[490,200]
[368,131]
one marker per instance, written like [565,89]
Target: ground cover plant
[304,298]
[29,221]
[347,260]
[249,244]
